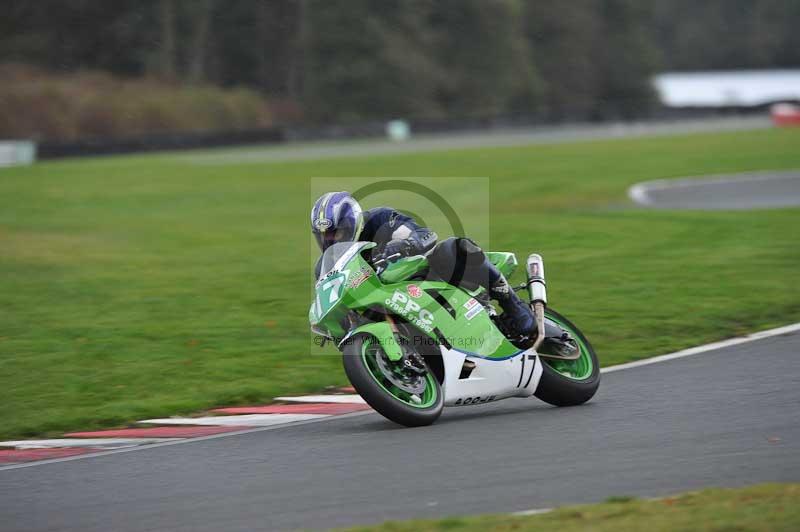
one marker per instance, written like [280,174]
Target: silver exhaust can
[537,288]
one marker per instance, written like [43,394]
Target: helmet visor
[343,233]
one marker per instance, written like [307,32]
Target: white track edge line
[638,193]
[705,348]
[534,511]
[654,360]
[182,440]
[539,511]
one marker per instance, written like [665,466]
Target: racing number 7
[334,286]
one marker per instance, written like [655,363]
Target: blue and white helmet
[336,217]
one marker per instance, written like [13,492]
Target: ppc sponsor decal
[473,308]
[410,310]
[414,291]
[360,276]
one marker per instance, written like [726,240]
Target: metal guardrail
[161,142]
[276,135]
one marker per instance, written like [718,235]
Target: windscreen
[336,252]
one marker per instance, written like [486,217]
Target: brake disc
[564,348]
[407,379]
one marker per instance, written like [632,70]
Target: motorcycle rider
[337,217]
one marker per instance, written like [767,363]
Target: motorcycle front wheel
[409,400]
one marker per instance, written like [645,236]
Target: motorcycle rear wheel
[569,382]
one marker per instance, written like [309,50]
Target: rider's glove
[396,246]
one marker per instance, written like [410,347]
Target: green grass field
[767,507]
[143,286]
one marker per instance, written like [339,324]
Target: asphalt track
[723,418]
[759,190]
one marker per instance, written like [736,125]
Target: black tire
[559,390]
[383,402]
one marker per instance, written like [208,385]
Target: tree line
[349,60]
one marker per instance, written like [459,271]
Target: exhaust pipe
[537,288]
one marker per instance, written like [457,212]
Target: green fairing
[506,262]
[403,269]
[383,333]
[477,335]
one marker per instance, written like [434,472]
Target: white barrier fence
[17,152]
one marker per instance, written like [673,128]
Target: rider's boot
[518,314]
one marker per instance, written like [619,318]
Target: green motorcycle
[412,346]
